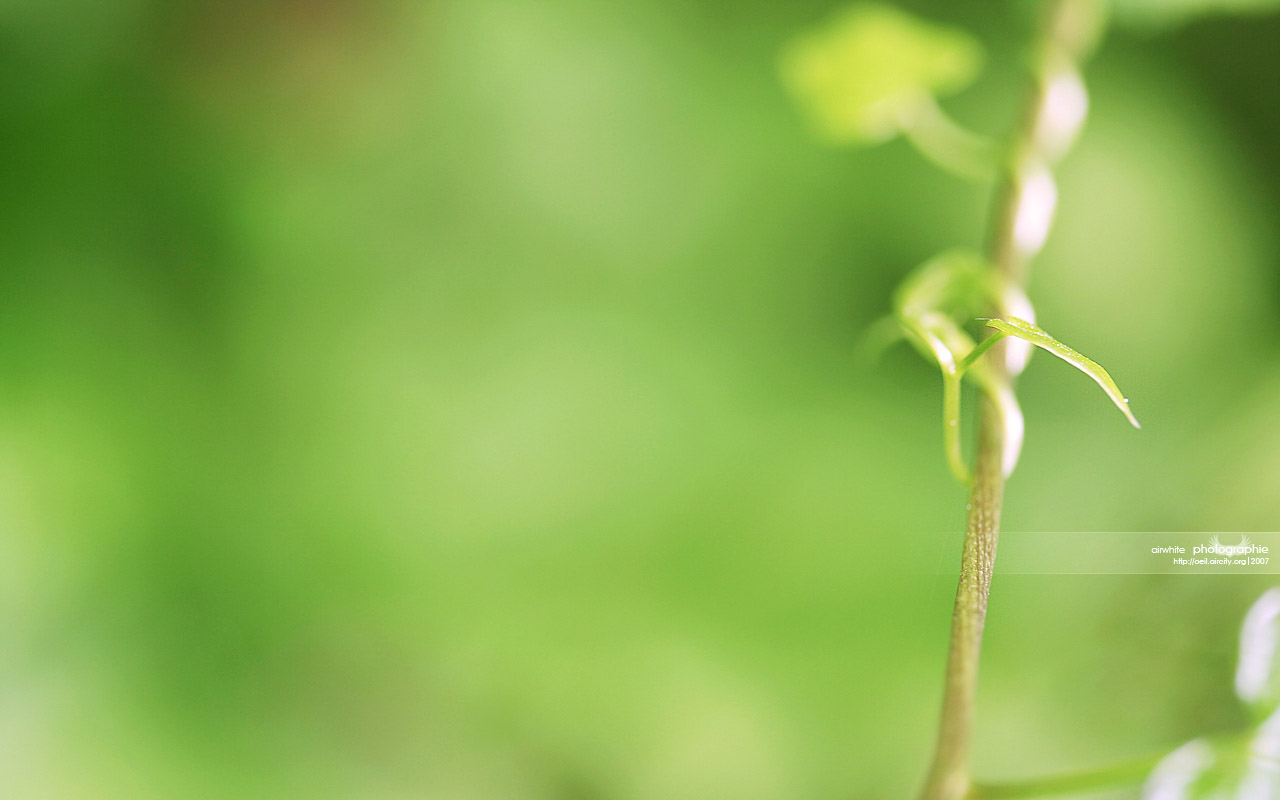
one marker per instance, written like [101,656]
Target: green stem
[1116,776]
[1066,34]
[951,426]
[941,140]
[949,775]
[976,353]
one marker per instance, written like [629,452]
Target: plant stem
[937,137]
[949,776]
[951,424]
[1023,212]
[977,352]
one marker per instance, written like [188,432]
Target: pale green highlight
[873,68]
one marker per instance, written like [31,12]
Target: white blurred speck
[1066,103]
[1036,204]
[1258,648]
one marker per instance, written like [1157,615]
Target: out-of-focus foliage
[456,399]
[1164,13]
[1258,670]
[872,69]
[1224,770]
[1247,765]
[959,283]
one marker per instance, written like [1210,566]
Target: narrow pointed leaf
[1032,333]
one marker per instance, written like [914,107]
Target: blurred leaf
[873,69]
[957,282]
[1166,13]
[934,299]
[1258,671]
[1037,336]
[1236,768]
[1247,766]
[1199,770]
[949,145]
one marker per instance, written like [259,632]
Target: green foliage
[1028,331]
[932,306]
[452,400]
[873,70]
[956,282]
[1246,766]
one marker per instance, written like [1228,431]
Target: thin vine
[874,73]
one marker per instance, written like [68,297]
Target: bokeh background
[458,399]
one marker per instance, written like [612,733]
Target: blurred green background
[458,399]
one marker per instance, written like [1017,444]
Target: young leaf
[1030,332]
[957,285]
[1258,670]
[873,69]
